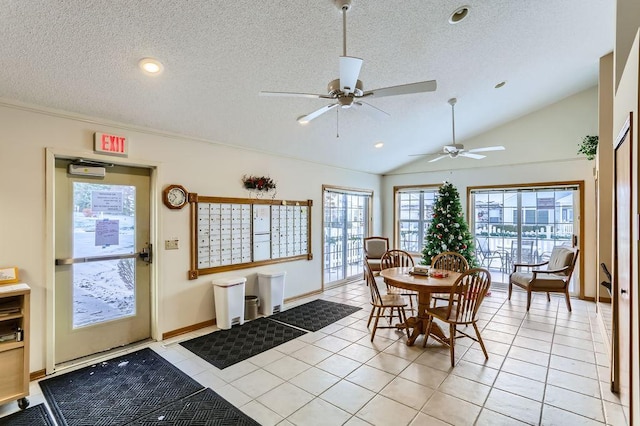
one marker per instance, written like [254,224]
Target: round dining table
[424,285]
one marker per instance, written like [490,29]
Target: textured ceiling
[81,57]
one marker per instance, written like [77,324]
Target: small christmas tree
[448,230]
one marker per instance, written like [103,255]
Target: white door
[102,279]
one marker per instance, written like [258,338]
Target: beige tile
[332,328]
[311,354]
[354,421]
[332,343]
[234,395]
[574,366]
[497,336]
[553,416]
[358,352]
[539,326]
[207,379]
[258,382]
[451,409]
[347,396]
[266,357]
[383,411]
[380,343]
[291,346]
[370,378]
[389,363]
[572,332]
[575,402]
[476,356]
[518,407]
[491,418]
[436,359]
[519,385]
[535,334]
[424,375]
[574,353]
[614,414]
[422,419]
[529,355]
[525,369]
[407,392]
[465,389]
[319,413]
[338,365]
[574,382]
[261,414]
[400,349]
[534,344]
[287,367]
[505,328]
[314,380]
[573,342]
[350,334]
[285,399]
[475,372]
[235,371]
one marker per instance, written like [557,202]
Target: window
[414,210]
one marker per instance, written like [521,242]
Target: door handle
[623,291]
[146,254]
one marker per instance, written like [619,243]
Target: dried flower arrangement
[259,183]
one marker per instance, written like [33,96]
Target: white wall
[202,167]
[540,147]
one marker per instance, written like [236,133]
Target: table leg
[418,324]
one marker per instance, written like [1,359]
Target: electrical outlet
[171,244]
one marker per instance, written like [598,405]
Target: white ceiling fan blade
[488,148]
[404,89]
[307,118]
[371,110]
[349,72]
[438,158]
[470,155]
[296,95]
[424,155]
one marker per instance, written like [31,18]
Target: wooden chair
[465,299]
[399,258]
[555,278]
[450,261]
[374,248]
[380,303]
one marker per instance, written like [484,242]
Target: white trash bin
[271,290]
[228,294]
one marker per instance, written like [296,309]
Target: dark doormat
[227,347]
[315,315]
[117,391]
[33,416]
[204,408]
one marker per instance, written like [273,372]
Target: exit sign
[105,143]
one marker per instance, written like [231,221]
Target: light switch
[171,244]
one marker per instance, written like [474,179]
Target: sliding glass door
[346,223]
[523,225]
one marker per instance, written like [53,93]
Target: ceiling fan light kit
[347,91]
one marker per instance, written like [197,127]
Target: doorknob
[623,291]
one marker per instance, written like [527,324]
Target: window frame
[424,224]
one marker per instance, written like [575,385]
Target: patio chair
[374,248]
[555,278]
[486,256]
[399,258]
[464,301]
[380,303]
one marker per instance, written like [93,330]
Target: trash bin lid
[229,281]
[269,274]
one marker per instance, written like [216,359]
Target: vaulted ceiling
[82,57]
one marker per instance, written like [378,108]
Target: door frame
[51,154]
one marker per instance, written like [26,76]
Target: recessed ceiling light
[379,145]
[499,85]
[459,14]
[150,66]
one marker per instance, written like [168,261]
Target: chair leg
[528,299]
[375,324]
[452,338]
[567,299]
[403,319]
[548,297]
[427,332]
[510,288]
[373,308]
[475,326]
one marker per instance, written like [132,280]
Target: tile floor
[547,367]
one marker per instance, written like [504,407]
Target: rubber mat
[227,347]
[117,391]
[204,408]
[315,315]
[32,416]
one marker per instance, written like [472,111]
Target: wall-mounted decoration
[175,196]
[9,275]
[237,233]
[258,183]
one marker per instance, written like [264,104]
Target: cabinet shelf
[11,317]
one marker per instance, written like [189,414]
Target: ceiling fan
[347,90]
[457,150]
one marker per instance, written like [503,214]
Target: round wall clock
[175,196]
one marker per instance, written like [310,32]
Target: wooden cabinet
[14,343]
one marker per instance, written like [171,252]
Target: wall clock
[175,196]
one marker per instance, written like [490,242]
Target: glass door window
[414,210]
[346,223]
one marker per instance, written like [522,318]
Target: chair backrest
[467,294]
[451,261]
[375,247]
[526,252]
[396,258]
[563,257]
[374,292]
